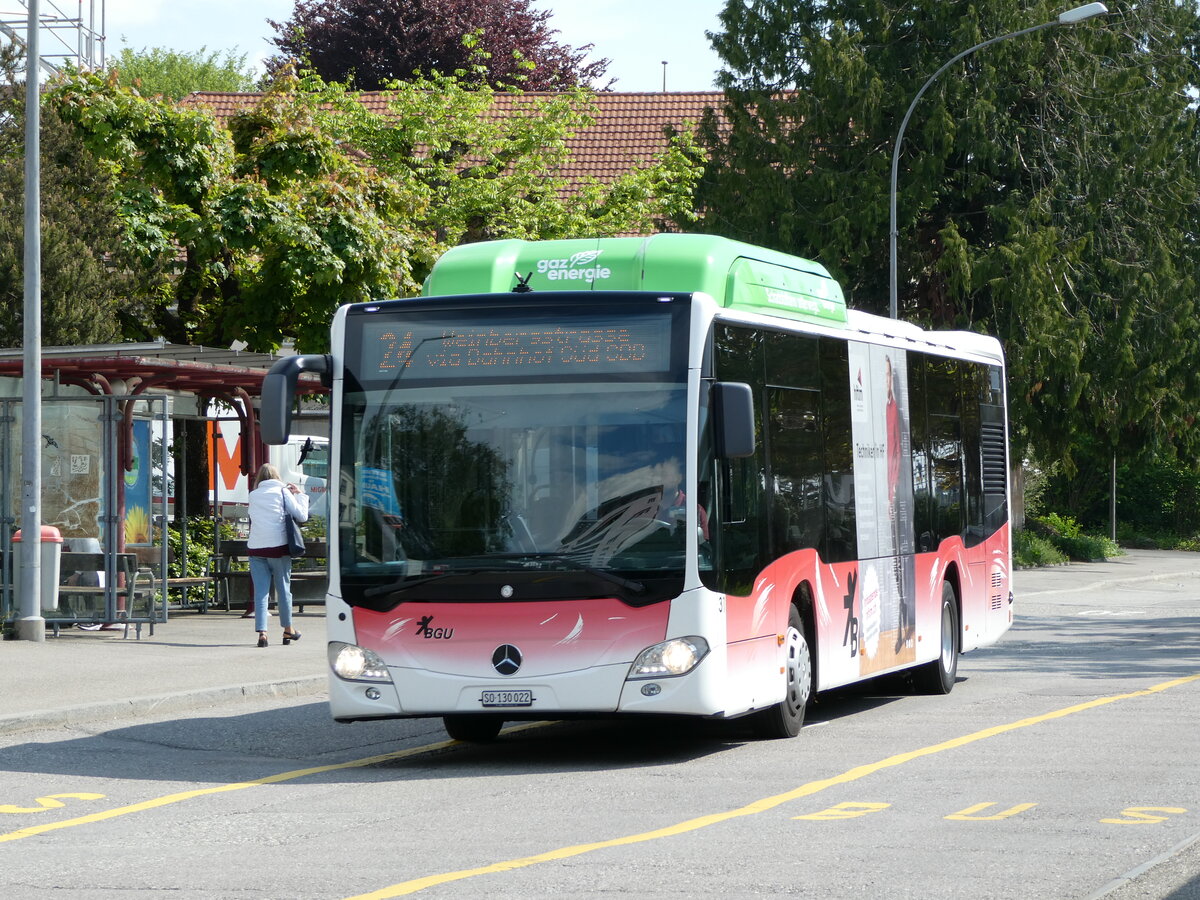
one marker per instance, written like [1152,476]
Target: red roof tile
[629,129]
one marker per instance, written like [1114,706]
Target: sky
[636,35]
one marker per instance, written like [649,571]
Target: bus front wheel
[474,728]
[783,720]
[938,677]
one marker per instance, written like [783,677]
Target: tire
[937,677]
[784,719]
[477,729]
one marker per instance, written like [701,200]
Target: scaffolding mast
[72,31]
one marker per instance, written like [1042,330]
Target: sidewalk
[193,660]
[197,660]
[1135,565]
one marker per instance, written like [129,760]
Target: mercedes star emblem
[507,659]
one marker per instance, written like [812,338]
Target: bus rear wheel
[784,719]
[938,677]
[474,728]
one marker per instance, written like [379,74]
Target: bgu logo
[577,267]
[850,636]
[439,634]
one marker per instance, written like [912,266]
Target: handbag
[295,537]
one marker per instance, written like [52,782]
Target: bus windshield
[502,483]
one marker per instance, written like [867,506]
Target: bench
[150,558]
[83,599]
[309,575]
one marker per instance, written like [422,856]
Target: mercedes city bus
[665,475]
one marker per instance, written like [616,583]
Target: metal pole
[1112,498]
[31,626]
[1079,14]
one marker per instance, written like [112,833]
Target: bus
[669,475]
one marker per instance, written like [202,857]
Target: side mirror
[279,392]
[733,419]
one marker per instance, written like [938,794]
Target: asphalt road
[1063,765]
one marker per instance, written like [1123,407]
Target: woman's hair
[266,472]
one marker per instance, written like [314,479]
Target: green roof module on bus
[736,275]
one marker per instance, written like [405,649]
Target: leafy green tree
[266,235]
[88,290]
[376,42]
[174,74]
[1047,189]
[486,177]
[309,201]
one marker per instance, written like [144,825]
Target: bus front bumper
[604,690]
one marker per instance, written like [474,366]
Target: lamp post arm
[893,233]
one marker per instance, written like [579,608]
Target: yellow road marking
[758,806]
[971,813]
[279,778]
[848,810]
[763,805]
[1139,815]
[183,796]
[54,801]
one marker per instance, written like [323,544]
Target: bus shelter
[107,416]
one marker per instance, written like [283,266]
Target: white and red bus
[664,475]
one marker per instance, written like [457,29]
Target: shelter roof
[629,129]
[207,371]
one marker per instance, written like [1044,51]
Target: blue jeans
[264,570]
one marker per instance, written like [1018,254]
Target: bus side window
[841,525]
[923,519]
[975,393]
[945,447]
[741,526]
[797,513]
[738,528]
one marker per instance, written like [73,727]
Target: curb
[90,713]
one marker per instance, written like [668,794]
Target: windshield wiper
[611,577]
[480,564]
[416,580]
[397,587]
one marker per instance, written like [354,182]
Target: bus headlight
[355,663]
[677,656]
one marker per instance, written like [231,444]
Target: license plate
[506,698]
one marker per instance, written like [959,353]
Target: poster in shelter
[137,488]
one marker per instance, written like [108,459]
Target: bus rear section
[667,475]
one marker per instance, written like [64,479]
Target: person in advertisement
[271,502]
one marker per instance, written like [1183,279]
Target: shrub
[200,544]
[1031,551]
[1067,536]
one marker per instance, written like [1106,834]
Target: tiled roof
[629,128]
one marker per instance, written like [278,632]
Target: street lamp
[31,624]
[1070,17]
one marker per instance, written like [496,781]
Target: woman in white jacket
[270,502]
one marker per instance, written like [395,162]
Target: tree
[487,176]
[1047,191]
[174,74]
[375,42]
[309,201]
[88,290]
[265,237]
